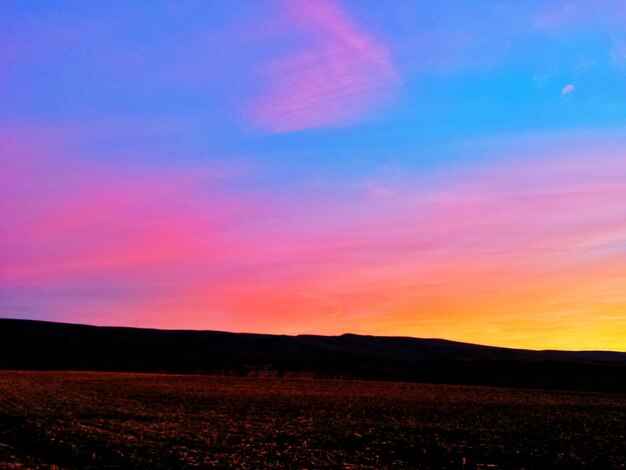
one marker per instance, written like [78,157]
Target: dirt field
[103,420]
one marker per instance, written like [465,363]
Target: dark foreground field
[105,420]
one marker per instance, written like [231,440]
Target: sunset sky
[451,169]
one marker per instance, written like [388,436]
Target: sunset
[435,170]
[426,169]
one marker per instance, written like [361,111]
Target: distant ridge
[39,345]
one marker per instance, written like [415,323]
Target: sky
[428,168]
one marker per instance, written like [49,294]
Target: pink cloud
[342,75]
[568,89]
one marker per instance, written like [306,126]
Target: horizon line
[313,334]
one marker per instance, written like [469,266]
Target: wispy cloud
[482,252]
[109,238]
[342,75]
[467,255]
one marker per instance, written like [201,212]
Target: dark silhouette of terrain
[37,345]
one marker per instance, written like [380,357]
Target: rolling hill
[37,345]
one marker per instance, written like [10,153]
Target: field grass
[105,420]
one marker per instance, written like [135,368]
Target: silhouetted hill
[27,344]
